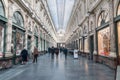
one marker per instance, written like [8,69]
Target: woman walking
[35,55]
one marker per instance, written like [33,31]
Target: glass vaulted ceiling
[60,11]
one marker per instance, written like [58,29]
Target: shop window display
[19,43]
[86,45]
[104,42]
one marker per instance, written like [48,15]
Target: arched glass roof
[60,11]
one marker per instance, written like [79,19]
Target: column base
[7,61]
[113,54]
[8,54]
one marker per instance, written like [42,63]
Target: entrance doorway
[91,46]
[29,44]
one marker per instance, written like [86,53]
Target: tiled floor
[59,69]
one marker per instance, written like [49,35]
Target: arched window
[103,18]
[91,26]
[118,10]
[18,19]
[36,30]
[85,30]
[29,26]
[80,32]
[2,12]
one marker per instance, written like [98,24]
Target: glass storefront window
[86,45]
[118,28]
[19,42]
[104,42]
[1,40]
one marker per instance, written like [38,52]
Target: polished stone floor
[59,69]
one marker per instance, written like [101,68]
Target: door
[91,47]
[29,45]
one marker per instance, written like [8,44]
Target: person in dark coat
[65,52]
[24,56]
[52,52]
[49,50]
[56,52]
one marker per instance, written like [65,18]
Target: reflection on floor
[60,68]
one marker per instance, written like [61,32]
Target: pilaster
[112,30]
[9,31]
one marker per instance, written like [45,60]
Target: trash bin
[75,53]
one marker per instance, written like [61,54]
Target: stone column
[95,57]
[9,31]
[95,35]
[26,33]
[112,29]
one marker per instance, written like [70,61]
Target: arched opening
[18,35]
[18,19]
[103,18]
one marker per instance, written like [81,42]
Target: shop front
[103,40]
[117,20]
[18,36]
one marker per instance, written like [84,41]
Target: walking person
[65,52]
[56,52]
[24,56]
[52,52]
[49,50]
[35,55]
